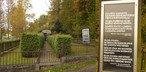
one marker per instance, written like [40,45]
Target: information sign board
[118,36]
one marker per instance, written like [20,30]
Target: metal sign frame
[102,30]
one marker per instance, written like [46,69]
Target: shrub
[31,42]
[61,44]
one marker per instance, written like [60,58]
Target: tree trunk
[1,35]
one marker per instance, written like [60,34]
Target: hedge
[61,44]
[7,45]
[31,43]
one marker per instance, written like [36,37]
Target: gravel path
[48,55]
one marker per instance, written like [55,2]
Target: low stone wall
[33,68]
[18,68]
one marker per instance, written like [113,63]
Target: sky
[40,7]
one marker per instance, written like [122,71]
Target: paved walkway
[91,68]
[48,57]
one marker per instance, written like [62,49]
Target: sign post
[85,36]
[118,36]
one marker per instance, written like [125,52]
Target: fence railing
[48,57]
[78,48]
[82,49]
[4,46]
[16,58]
[79,41]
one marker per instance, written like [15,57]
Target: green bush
[61,44]
[31,42]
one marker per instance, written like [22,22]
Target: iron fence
[79,41]
[16,58]
[48,56]
[81,49]
[45,57]
[4,46]
[78,48]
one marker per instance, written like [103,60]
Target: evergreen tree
[57,27]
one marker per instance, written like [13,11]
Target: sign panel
[118,38]
[85,36]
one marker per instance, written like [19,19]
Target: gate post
[37,66]
[62,55]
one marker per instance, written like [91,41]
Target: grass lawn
[64,67]
[4,41]
[15,57]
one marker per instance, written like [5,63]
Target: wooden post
[86,48]
[62,50]
[37,66]
[98,53]
[139,38]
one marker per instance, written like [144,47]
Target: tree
[54,15]
[74,15]
[34,27]
[27,7]
[67,15]
[143,20]
[18,19]
[86,15]
[43,20]
[1,19]
[57,27]
[10,5]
